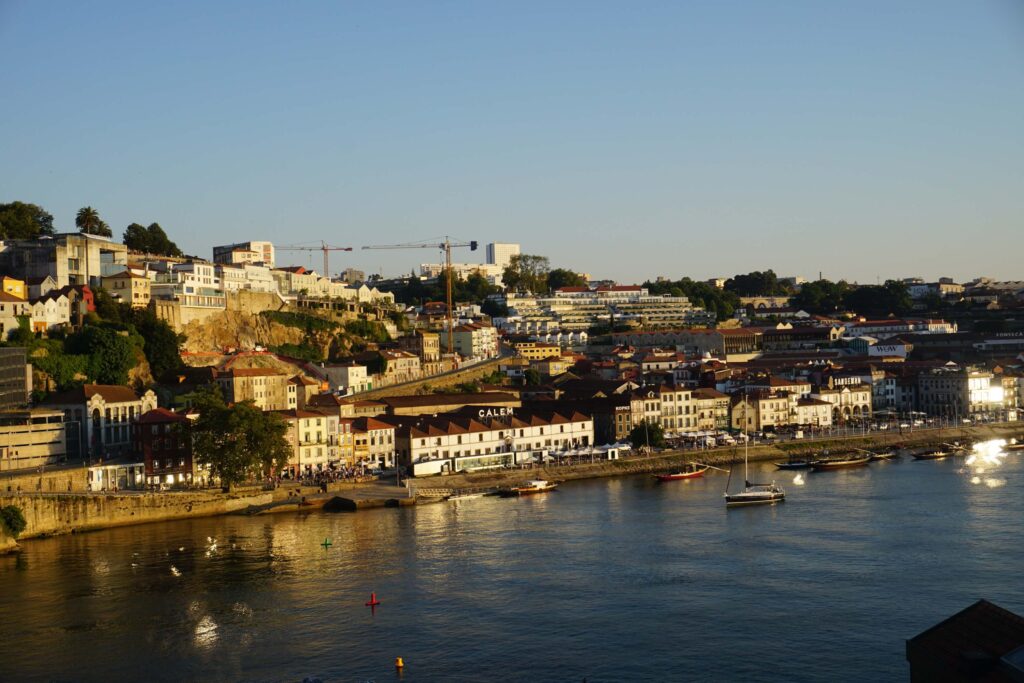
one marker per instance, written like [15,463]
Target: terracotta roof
[251,372]
[161,415]
[447,399]
[110,393]
[4,296]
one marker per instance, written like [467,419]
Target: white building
[501,253]
[261,253]
[348,378]
[50,312]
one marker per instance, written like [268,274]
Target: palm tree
[89,223]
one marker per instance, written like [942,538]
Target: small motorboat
[888,455]
[690,470]
[530,487]
[840,463]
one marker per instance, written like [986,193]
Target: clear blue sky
[863,139]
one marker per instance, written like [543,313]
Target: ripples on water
[612,580]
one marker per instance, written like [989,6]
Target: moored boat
[690,470]
[794,465]
[756,494]
[530,487]
[888,455]
[840,463]
[932,455]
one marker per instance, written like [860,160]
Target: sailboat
[753,494]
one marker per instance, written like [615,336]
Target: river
[610,580]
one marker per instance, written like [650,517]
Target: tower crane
[324,247]
[445,247]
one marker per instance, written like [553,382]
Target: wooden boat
[840,463]
[794,465]
[691,470]
[888,455]
[932,455]
[530,487]
[1014,447]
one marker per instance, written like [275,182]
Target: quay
[53,513]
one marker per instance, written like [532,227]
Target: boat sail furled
[752,494]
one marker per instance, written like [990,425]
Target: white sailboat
[752,494]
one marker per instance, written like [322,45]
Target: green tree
[561,277]
[821,296]
[239,442]
[88,222]
[21,221]
[494,308]
[136,238]
[162,345]
[757,283]
[532,376]
[12,520]
[526,272]
[111,353]
[646,434]
[892,298]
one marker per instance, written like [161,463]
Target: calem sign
[495,412]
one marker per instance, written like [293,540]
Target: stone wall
[60,480]
[435,382]
[47,514]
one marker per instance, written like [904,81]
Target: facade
[474,341]
[711,409]
[15,378]
[13,286]
[12,308]
[314,438]
[31,438]
[445,444]
[128,287]
[431,404]
[162,438]
[50,312]
[70,258]
[99,418]
[400,366]
[849,401]
[373,442]
[500,253]
[426,345]
[956,392]
[348,378]
[760,411]
[268,389]
[532,350]
[261,253]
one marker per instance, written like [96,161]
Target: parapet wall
[47,514]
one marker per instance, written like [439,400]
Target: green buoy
[326,544]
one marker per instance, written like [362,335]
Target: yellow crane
[446,247]
[324,247]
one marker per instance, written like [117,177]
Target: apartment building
[313,435]
[268,389]
[245,253]
[128,287]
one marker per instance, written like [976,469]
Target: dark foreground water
[608,580]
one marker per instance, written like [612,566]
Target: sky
[863,140]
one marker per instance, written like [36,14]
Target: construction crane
[324,247]
[445,247]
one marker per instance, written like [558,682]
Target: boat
[691,470]
[932,455]
[1014,446]
[530,487]
[840,463]
[752,494]
[794,465]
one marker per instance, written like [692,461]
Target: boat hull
[800,465]
[825,465]
[675,476]
[932,456]
[739,499]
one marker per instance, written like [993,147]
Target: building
[304,389]
[431,404]
[811,412]
[99,418]
[31,438]
[256,253]
[956,392]
[849,401]
[314,439]
[129,288]
[760,411]
[400,366]
[268,389]
[353,276]
[426,345]
[373,442]
[983,642]
[15,378]
[50,312]
[533,350]
[162,437]
[12,308]
[13,286]
[446,444]
[70,258]
[500,253]
[711,409]
[474,341]
[347,378]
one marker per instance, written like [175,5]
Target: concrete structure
[70,258]
[99,418]
[31,438]
[129,288]
[15,378]
[257,253]
[500,253]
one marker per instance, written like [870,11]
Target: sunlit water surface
[609,580]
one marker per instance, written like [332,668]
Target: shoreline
[50,514]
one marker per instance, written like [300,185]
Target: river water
[609,580]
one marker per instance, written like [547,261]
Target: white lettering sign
[495,412]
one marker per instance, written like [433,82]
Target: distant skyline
[865,140]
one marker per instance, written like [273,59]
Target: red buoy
[373,600]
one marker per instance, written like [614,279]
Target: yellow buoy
[399,663]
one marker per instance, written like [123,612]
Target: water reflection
[984,457]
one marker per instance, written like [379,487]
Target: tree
[88,222]
[560,277]
[532,377]
[136,238]
[892,298]
[647,434]
[151,240]
[494,308]
[21,221]
[757,283]
[239,442]
[527,272]
[821,296]
[162,344]
[12,520]
[111,353]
